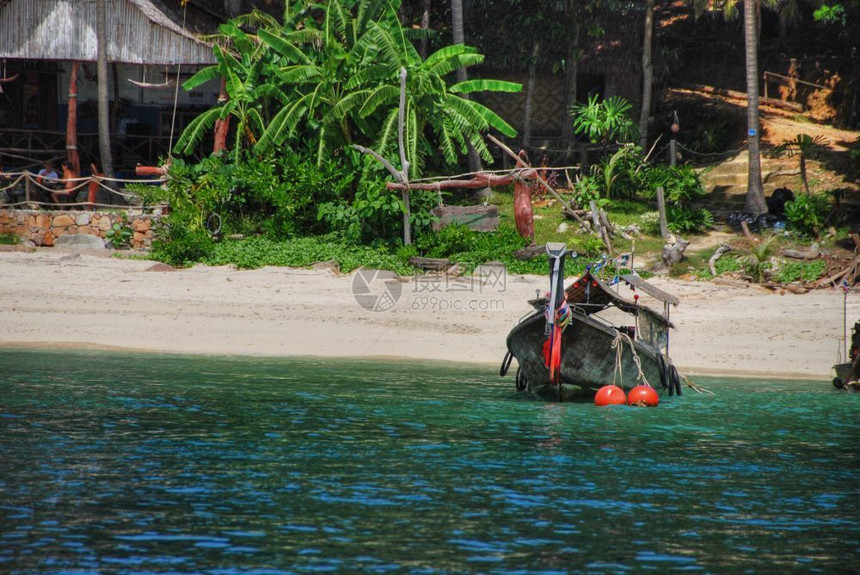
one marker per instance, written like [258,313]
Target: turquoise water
[143,463]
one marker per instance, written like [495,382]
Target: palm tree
[755,202]
[804,146]
[647,75]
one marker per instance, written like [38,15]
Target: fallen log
[530,252]
[712,263]
[799,255]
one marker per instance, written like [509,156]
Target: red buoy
[610,395]
[643,395]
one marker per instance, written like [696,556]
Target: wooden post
[404,164]
[673,152]
[661,207]
[72,154]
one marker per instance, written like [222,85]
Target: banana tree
[246,86]
[348,89]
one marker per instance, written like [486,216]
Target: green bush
[800,271]
[302,252]
[805,214]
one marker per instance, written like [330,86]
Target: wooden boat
[848,373]
[594,349]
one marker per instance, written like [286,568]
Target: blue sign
[752,132]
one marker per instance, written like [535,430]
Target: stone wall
[43,227]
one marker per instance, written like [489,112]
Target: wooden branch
[747,234]
[385,163]
[712,263]
[479,180]
[543,182]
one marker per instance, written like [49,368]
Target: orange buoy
[610,395]
[643,395]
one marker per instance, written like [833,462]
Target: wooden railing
[30,148]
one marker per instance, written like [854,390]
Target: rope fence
[25,189]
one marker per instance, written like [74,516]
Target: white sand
[59,298]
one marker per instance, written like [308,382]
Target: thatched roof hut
[66,30]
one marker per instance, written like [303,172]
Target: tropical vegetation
[317,97]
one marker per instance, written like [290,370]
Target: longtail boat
[588,335]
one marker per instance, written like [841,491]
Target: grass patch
[8,239]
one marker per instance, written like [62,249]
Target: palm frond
[382,95]
[449,65]
[284,122]
[482,85]
[196,130]
[349,103]
[283,47]
[205,75]
[493,119]
[446,53]
[301,74]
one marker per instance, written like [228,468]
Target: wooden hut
[39,41]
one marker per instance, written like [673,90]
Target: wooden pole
[72,154]
[404,164]
[661,207]
[555,194]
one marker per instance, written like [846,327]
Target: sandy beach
[54,298]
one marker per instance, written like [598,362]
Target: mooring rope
[617,345]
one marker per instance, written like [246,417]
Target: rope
[729,153]
[176,88]
[695,387]
[617,345]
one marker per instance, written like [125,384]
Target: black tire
[664,372]
[506,364]
[521,381]
[675,380]
[837,383]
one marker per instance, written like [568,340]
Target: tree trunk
[72,154]
[102,71]
[115,107]
[755,203]
[647,75]
[425,25]
[571,72]
[459,33]
[530,90]
[221,126]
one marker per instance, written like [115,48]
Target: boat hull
[588,359]
[843,374]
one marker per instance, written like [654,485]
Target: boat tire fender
[521,380]
[675,380]
[664,374]
[506,364]
[837,383]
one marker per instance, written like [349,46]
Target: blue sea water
[129,463]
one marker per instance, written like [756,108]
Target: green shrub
[805,214]
[800,271]
[302,252]
[8,239]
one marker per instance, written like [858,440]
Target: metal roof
[138,33]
